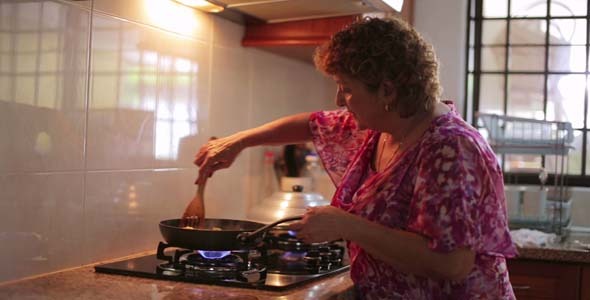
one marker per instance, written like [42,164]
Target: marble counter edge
[84,283]
[554,254]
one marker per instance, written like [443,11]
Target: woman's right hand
[217,154]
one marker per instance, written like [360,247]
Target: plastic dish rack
[542,209]
[514,135]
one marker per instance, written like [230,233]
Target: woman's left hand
[321,224]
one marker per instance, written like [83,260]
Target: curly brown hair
[372,50]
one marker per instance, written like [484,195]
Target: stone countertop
[575,248]
[84,283]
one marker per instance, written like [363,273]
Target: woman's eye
[345,90]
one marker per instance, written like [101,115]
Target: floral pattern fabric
[447,187]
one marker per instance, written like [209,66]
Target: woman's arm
[287,130]
[221,153]
[406,251]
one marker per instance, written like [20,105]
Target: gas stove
[280,262]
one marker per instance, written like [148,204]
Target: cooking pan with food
[217,234]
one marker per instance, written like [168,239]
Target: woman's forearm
[287,130]
[406,251]
[220,153]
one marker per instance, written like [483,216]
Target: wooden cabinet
[533,279]
[585,283]
[298,39]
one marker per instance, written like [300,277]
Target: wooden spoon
[194,213]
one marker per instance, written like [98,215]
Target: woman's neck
[403,129]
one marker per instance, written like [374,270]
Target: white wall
[98,138]
[442,23]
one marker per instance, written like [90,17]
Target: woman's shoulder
[340,118]
[451,127]
[340,114]
[450,130]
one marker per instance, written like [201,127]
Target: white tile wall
[41,220]
[97,143]
[43,86]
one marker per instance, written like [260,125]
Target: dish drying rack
[516,135]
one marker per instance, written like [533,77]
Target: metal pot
[285,204]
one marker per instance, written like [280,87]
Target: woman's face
[365,106]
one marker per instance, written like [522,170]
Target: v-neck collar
[374,142]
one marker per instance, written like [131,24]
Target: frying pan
[217,234]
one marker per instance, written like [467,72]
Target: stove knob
[189,270]
[251,275]
[325,256]
[336,249]
[325,267]
[312,261]
[336,260]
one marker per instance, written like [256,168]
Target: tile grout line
[86,122]
[164,169]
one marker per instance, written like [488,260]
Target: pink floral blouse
[448,187]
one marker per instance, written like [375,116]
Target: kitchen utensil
[194,212]
[246,237]
[216,234]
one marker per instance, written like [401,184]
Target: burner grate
[239,265]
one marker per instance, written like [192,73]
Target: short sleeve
[337,139]
[454,198]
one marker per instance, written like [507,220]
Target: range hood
[277,11]
[294,28]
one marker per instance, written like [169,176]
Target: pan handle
[246,237]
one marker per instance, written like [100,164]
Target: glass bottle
[313,170]
[269,183]
[321,182]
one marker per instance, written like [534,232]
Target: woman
[420,198]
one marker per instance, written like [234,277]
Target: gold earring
[387,107]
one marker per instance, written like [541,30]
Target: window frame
[473,73]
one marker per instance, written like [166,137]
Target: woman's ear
[388,89]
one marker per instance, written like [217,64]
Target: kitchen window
[529,58]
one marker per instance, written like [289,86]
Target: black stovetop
[279,275]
